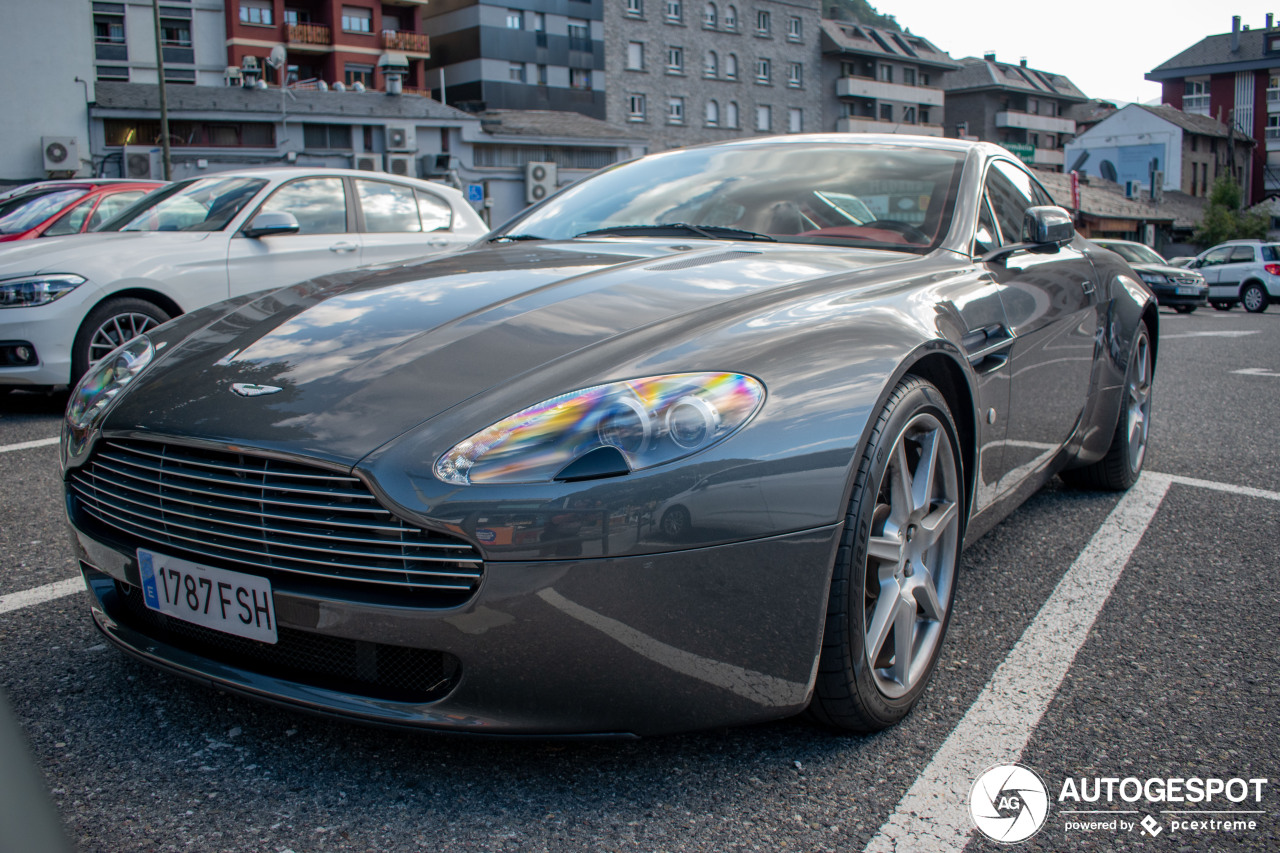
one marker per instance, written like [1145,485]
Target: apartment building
[1234,78]
[192,39]
[518,54]
[1022,108]
[683,72]
[880,81]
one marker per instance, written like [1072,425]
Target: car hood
[364,356]
[85,253]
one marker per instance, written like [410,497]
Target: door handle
[343,248]
[1087,285]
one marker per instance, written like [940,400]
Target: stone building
[683,72]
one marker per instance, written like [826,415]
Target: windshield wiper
[671,229]
[516,238]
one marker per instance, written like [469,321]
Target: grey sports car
[695,441]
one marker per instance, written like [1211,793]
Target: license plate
[226,601]
[1188,291]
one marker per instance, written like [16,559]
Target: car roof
[894,140]
[272,173]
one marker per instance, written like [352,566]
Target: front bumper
[1168,295]
[638,645]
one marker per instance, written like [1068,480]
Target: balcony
[412,43]
[1048,157]
[304,36]
[1273,100]
[1198,104]
[853,124]
[865,87]
[1027,121]
[1273,138]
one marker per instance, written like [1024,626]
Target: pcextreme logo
[1009,803]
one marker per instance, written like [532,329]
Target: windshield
[886,196]
[206,204]
[1134,254]
[26,211]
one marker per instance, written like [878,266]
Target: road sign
[475,193]
[1026,153]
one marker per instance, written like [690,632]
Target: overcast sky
[1104,46]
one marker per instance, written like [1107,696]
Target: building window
[731,18]
[710,66]
[542,75]
[886,112]
[317,136]
[635,55]
[175,32]
[635,108]
[764,118]
[191,134]
[924,79]
[764,70]
[713,114]
[795,75]
[1195,96]
[362,74]
[731,67]
[909,116]
[793,29]
[675,111]
[924,115]
[886,73]
[709,16]
[579,78]
[908,76]
[675,12]
[256,12]
[113,72]
[515,72]
[108,29]
[764,23]
[675,60]
[731,115]
[579,34]
[795,120]
[539,22]
[515,19]
[635,9]
[357,20]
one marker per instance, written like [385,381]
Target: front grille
[1185,279]
[283,520]
[375,670]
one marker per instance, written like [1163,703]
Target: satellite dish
[277,57]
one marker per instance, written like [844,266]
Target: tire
[1185,309]
[109,325]
[1254,298]
[675,522]
[1221,306]
[896,566]
[1119,469]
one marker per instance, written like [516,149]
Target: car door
[1210,265]
[326,242]
[1051,302]
[1232,272]
[403,222]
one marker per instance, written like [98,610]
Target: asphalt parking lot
[1093,637]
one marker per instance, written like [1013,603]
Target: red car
[53,208]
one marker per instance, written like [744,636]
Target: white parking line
[27,445]
[1224,333]
[40,594]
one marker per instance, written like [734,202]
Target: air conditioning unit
[1133,189]
[401,164]
[540,181]
[402,138]
[142,162]
[1157,186]
[369,162]
[60,153]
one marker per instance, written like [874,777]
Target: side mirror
[1047,225]
[271,224]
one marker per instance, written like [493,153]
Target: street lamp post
[164,101]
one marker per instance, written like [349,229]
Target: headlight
[36,289]
[1153,278]
[649,421]
[99,387]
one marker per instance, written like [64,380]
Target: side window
[71,221]
[319,204]
[111,205]
[388,208]
[985,238]
[436,213]
[1241,255]
[1216,257]
[1010,192]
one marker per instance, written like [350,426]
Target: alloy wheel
[1138,401]
[117,330]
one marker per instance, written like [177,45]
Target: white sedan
[66,302]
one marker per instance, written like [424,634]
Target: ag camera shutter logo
[1009,803]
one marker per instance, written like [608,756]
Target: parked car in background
[695,441]
[65,303]
[1180,289]
[1182,261]
[1243,271]
[57,208]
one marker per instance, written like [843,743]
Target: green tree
[860,11]
[1223,218]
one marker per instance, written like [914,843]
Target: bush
[1224,220]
